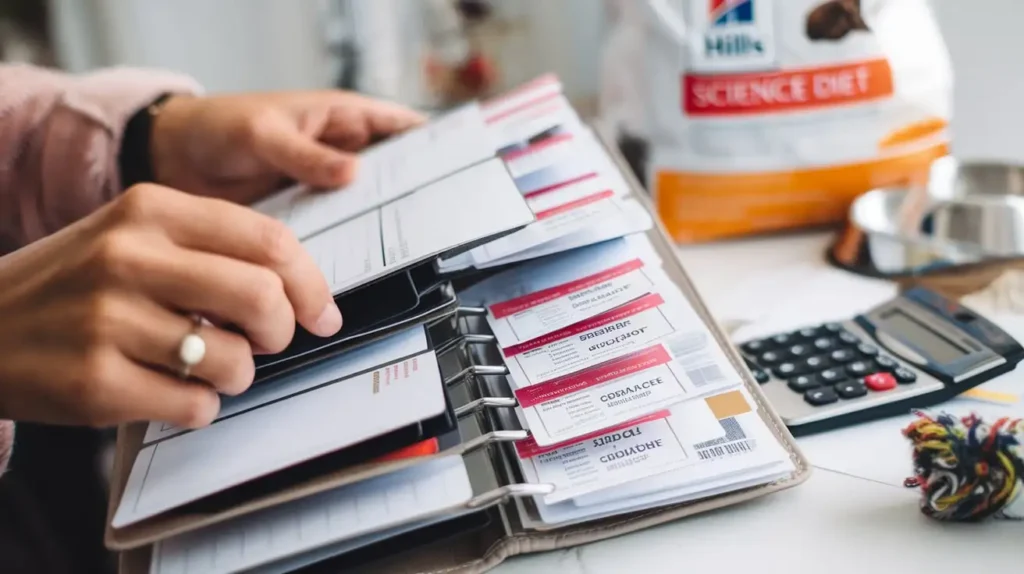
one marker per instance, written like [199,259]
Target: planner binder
[501,518]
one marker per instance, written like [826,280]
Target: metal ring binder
[472,311]
[504,493]
[476,371]
[486,403]
[464,341]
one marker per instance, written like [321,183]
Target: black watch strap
[134,159]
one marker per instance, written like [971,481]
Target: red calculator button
[880,382]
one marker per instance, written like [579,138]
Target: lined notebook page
[361,509]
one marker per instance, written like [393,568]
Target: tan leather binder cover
[480,550]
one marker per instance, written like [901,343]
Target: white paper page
[405,343]
[550,119]
[634,219]
[389,170]
[605,337]
[529,97]
[349,252]
[560,268]
[538,313]
[468,206]
[678,369]
[553,150]
[346,513]
[187,467]
[294,563]
[595,211]
[744,443]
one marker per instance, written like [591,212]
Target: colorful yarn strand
[968,470]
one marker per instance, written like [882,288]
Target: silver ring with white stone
[192,348]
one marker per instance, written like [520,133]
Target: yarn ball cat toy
[968,469]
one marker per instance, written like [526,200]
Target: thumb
[301,157]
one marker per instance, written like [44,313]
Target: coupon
[551,150]
[540,312]
[645,447]
[604,337]
[616,391]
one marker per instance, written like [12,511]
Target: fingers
[153,335]
[228,232]
[356,120]
[278,141]
[243,294]
[134,392]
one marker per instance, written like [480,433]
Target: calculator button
[823,343]
[887,363]
[867,350]
[788,370]
[904,376]
[842,356]
[817,363]
[770,358]
[851,389]
[831,376]
[804,383]
[807,333]
[799,351]
[760,376]
[782,339]
[754,347]
[832,327]
[821,396]
[880,382]
[848,338]
[859,369]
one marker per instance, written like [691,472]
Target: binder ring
[503,493]
[464,341]
[475,371]
[472,311]
[486,403]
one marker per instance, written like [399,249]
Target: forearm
[60,142]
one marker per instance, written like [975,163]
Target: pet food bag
[765,115]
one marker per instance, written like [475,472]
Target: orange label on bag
[787,90]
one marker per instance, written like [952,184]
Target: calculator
[914,351]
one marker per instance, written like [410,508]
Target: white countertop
[852,514]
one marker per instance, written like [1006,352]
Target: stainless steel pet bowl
[967,214]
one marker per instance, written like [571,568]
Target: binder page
[334,414]
[633,218]
[680,368]
[473,204]
[347,513]
[601,338]
[552,294]
[401,345]
[639,449]
[391,169]
[741,452]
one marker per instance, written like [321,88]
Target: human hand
[94,315]
[242,147]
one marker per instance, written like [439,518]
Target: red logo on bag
[725,12]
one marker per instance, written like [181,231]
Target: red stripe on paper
[523,107]
[519,304]
[560,185]
[630,309]
[541,81]
[592,377]
[583,201]
[538,147]
[528,447]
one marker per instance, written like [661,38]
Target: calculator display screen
[905,327]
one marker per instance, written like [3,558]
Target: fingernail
[329,322]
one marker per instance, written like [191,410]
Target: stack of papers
[620,397]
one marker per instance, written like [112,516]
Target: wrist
[145,145]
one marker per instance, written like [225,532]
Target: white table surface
[851,515]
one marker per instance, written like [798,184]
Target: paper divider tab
[528,447]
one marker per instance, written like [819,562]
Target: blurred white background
[269,44]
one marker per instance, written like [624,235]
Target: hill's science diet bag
[772,114]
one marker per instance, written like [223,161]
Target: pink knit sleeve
[59,141]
